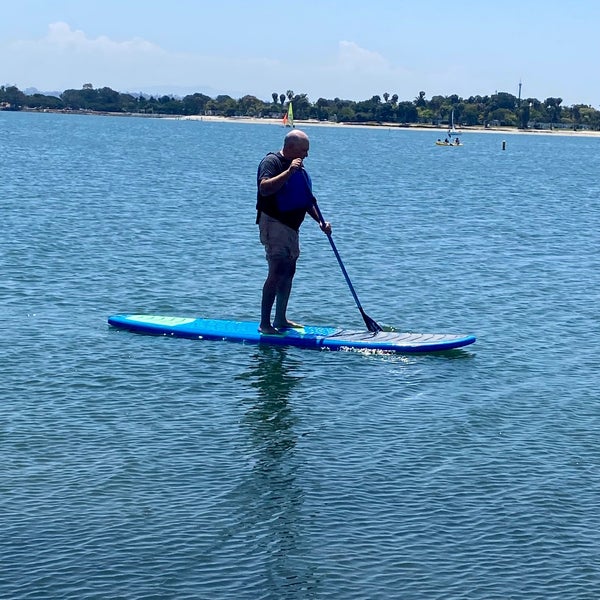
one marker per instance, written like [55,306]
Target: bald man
[284,198]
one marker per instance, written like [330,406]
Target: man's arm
[271,185]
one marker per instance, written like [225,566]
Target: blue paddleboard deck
[331,338]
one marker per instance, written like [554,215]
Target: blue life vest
[296,193]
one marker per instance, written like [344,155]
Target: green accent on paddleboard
[159,320]
[300,330]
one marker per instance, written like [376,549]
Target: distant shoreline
[442,131]
[413,127]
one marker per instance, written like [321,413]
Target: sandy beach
[425,128]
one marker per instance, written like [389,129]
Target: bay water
[150,467]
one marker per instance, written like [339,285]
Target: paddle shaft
[339,259]
[369,322]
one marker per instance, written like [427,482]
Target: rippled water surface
[147,467]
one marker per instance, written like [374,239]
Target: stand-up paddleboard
[306,337]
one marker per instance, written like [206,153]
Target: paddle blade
[370,323]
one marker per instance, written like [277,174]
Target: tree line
[499,109]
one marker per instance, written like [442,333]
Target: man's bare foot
[268,330]
[288,325]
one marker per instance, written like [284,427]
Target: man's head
[295,145]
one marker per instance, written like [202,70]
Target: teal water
[148,467]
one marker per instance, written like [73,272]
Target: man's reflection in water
[272,375]
[274,496]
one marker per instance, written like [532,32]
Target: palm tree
[275,96]
[420,99]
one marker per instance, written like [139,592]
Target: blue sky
[348,49]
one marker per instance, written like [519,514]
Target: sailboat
[452,133]
[288,118]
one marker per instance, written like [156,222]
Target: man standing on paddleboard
[284,197]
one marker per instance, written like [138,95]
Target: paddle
[370,323]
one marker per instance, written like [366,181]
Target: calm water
[144,467]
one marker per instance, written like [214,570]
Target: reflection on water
[272,420]
[273,490]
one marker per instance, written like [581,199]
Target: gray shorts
[279,240]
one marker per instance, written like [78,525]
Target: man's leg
[284,290]
[282,250]
[277,286]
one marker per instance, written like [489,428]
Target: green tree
[425,114]
[107,100]
[470,115]
[195,104]
[524,115]
[420,99]
[503,100]
[346,115]
[13,96]
[407,112]
[72,99]
[368,110]
[211,107]
[42,101]
[553,109]
[250,106]
[436,103]
[504,116]
[385,113]
[324,109]
[226,105]
[301,106]
[585,116]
